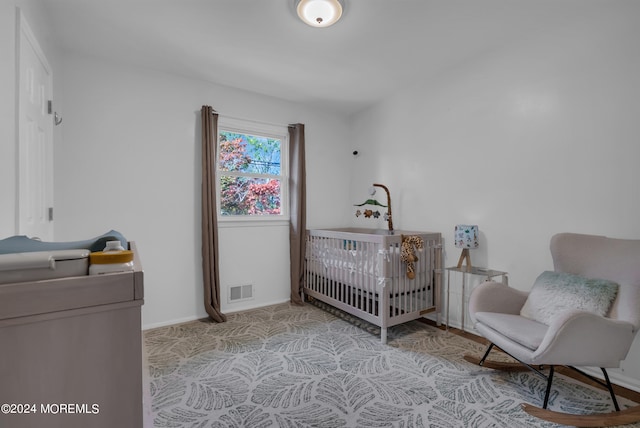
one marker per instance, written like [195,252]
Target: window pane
[249,196]
[249,153]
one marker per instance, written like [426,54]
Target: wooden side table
[487,273]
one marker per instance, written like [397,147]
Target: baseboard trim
[169,322]
[195,317]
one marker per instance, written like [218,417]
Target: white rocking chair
[572,337]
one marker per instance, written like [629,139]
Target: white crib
[360,272]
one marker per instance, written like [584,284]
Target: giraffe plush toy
[408,254]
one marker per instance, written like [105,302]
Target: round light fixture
[319,13]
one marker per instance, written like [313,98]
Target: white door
[35,138]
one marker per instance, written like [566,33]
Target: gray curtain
[298,207]
[210,270]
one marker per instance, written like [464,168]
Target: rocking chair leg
[548,392]
[610,388]
[486,354]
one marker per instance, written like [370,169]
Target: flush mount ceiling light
[319,13]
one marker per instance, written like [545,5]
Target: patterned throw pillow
[554,292]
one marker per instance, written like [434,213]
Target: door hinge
[50,213]
[50,106]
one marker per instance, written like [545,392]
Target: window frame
[260,129]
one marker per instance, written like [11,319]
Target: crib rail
[363,274]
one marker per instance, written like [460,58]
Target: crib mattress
[42,265]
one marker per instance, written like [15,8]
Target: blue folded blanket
[22,244]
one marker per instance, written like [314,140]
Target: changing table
[71,350]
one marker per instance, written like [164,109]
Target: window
[252,171]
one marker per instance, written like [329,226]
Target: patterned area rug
[290,366]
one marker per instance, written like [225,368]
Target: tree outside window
[250,174]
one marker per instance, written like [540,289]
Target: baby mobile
[370,213]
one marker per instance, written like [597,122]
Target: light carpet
[302,366]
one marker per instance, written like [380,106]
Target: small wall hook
[57,120]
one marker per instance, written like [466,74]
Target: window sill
[234,223]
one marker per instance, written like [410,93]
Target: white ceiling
[260,45]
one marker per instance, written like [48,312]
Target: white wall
[526,142]
[129,160]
